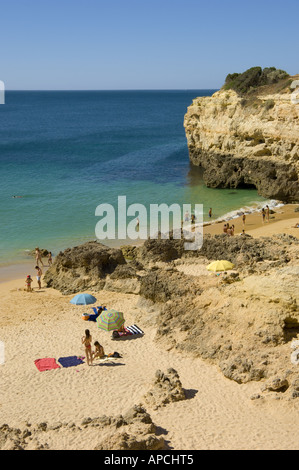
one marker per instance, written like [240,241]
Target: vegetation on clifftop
[253,78]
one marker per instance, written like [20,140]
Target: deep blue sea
[65,153]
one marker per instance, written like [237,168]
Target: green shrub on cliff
[269,104]
[252,78]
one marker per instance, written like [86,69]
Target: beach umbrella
[110,320]
[83,299]
[220,265]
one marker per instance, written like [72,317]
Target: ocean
[64,153]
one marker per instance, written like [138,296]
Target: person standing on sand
[263,215]
[38,256]
[28,283]
[244,219]
[87,340]
[39,274]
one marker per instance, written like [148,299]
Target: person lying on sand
[101,309]
[296,225]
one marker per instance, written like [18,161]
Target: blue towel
[93,317]
[70,361]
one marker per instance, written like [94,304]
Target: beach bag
[115,354]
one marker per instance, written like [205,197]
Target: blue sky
[142,44]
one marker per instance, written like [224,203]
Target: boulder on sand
[83,267]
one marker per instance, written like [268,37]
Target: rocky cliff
[248,139]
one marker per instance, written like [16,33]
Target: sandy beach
[218,412]
[217,415]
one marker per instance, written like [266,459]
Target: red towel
[46,364]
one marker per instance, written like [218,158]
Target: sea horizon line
[112,90]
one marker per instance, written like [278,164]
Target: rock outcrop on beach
[244,320]
[166,388]
[134,430]
[83,267]
[248,136]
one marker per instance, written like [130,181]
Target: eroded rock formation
[82,267]
[249,140]
[134,430]
[166,388]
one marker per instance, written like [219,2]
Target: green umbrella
[110,320]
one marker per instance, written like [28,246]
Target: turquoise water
[67,152]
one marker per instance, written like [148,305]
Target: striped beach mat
[128,332]
[135,330]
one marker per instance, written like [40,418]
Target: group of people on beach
[39,272]
[98,352]
[266,214]
[29,280]
[38,257]
[229,230]
[90,354]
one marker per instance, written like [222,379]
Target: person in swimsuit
[101,309]
[50,261]
[28,283]
[263,215]
[38,276]
[38,256]
[86,340]
[99,351]
[244,219]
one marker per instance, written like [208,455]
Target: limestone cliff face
[244,142]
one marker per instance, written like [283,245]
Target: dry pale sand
[218,413]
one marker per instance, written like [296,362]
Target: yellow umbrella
[220,265]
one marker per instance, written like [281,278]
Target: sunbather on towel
[101,309]
[99,351]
